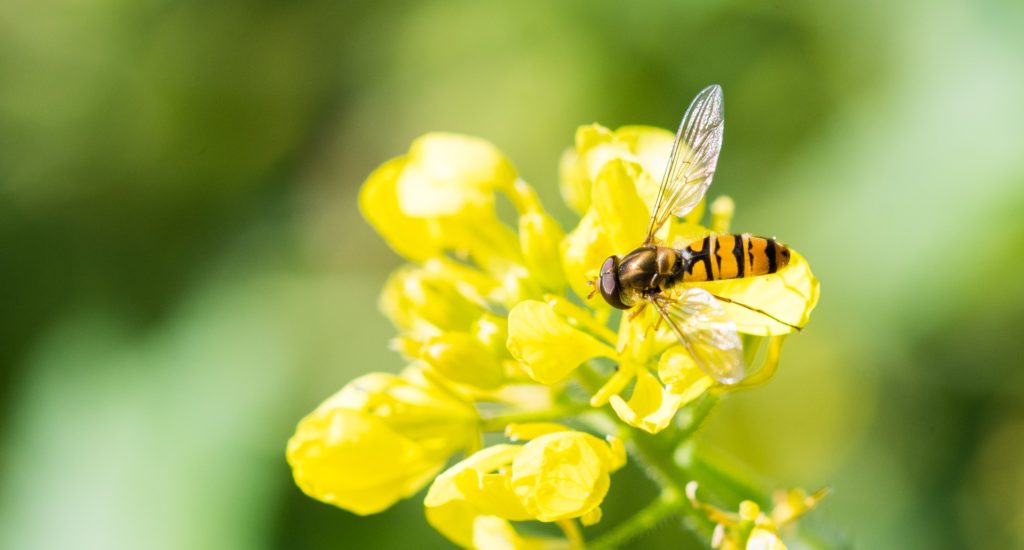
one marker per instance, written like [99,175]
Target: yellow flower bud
[381,438]
[448,174]
[461,358]
[546,344]
[447,508]
[563,475]
[749,510]
[412,237]
[540,237]
[492,331]
[559,475]
[573,181]
[722,210]
[431,299]
[440,197]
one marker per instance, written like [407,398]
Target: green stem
[699,413]
[720,475]
[572,533]
[658,456]
[498,423]
[666,505]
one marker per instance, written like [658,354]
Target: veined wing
[700,322]
[691,166]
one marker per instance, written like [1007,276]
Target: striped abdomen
[718,257]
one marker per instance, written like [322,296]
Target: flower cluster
[495,325]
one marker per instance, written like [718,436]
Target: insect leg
[637,311]
[657,323]
[756,310]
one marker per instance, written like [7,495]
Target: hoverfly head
[609,283]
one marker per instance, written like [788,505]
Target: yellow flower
[381,438]
[436,207]
[492,316]
[443,310]
[440,198]
[446,309]
[427,200]
[559,474]
[612,179]
[750,528]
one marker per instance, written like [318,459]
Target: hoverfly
[658,275]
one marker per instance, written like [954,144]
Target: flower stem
[572,533]
[658,457]
[699,412]
[498,423]
[664,506]
[656,454]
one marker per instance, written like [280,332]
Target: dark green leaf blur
[184,272]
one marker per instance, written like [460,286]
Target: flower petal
[546,344]
[540,237]
[437,297]
[790,294]
[461,358]
[447,509]
[682,377]
[650,408]
[447,174]
[650,147]
[573,181]
[583,251]
[411,237]
[621,211]
[491,494]
[560,475]
[597,145]
[435,419]
[356,461]
[764,539]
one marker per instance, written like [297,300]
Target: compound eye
[609,283]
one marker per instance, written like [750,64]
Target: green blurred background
[185,273]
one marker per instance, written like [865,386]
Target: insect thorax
[648,268]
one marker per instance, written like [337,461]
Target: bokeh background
[185,274]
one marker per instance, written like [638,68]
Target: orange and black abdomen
[717,257]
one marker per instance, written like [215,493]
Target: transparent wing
[691,166]
[700,322]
